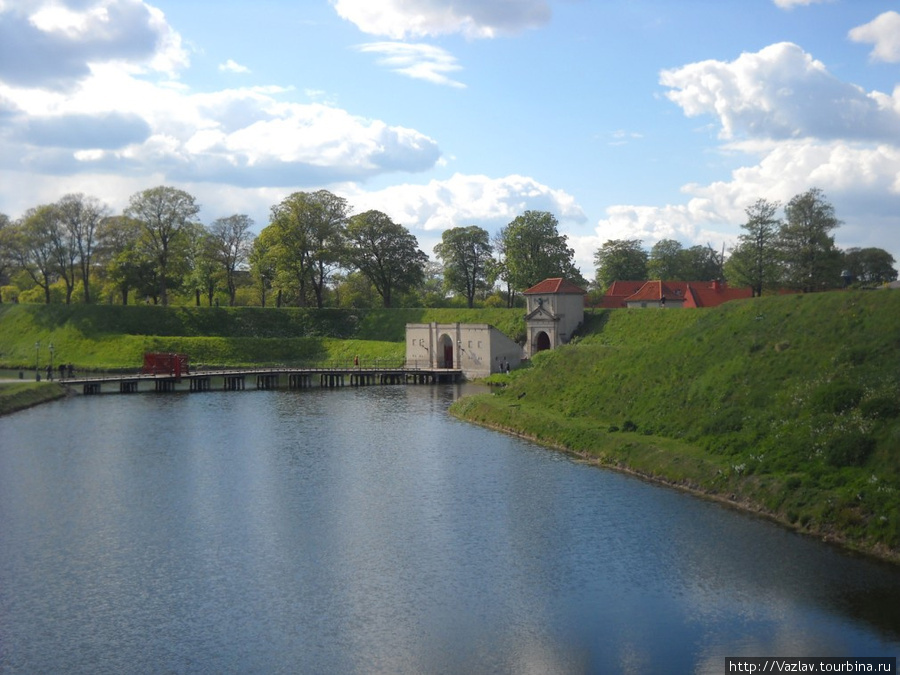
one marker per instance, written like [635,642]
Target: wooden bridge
[322,376]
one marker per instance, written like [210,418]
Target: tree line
[313,252]
[794,252]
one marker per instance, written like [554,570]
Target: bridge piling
[331,380]
[267,381]
[165,385]
[128,386]
[233,382]
[299,381]
[200,383]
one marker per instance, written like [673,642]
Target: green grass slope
[101,337]
[787,405]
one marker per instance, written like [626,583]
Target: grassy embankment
[103,337]
[788,406]
[16,396]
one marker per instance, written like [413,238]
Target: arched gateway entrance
[446,351]
[555,310]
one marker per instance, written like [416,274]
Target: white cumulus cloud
[884,33]
[239,136]
[54,44]
[466,199]
[77,100]
[781,92]
[799,127]
[861,180]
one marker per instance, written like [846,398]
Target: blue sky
[643,119]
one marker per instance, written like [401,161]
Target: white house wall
[567,310]
[478,349]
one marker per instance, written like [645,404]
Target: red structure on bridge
[157,363]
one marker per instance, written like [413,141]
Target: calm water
[364,531]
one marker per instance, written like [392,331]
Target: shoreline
[18,395]
[744,506]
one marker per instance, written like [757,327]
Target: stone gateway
[555,310]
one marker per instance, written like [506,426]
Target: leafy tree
[809,258]
[262,262]
[65,251]
[81,216]
[666,261]
[125,265]
[432,289]
[6,253]
[754,261]
[533,250]
[309,240]
[34,248]
[497,270]
[701,263]
[203,269]
[288,251]
[233,240]
[163,213]
[464,252]
[384,252]
[869,265]
[355,291]
[327,233]
[620,260]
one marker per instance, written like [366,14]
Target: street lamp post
[50,371]
[37,360]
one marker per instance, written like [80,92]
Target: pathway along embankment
[786,407]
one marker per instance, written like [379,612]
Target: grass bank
[787,406]
[103,337]
[15,396]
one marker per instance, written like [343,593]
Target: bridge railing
[326,365]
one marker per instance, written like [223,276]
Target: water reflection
[364,531]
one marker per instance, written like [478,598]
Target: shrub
[729,419]
[880,407]
[837,397]
[628,425]
[849,449]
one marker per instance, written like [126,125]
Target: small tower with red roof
[555,309]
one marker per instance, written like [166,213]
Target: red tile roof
[707,295]
[618,291]
[691,293]
[556,285]
[625,288]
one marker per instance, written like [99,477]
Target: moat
[365,531]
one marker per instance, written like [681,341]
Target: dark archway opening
[447,347]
